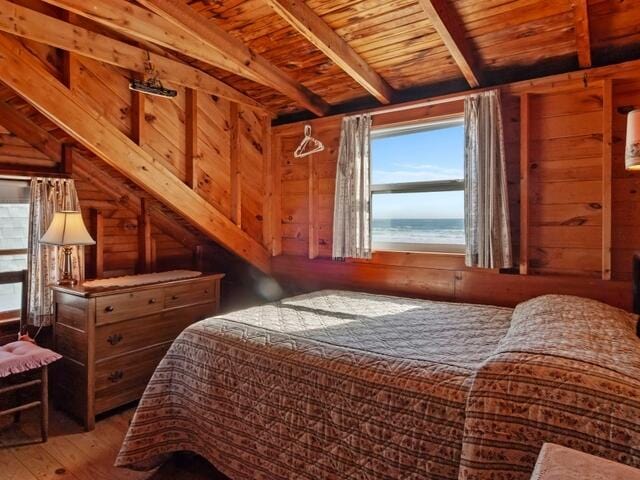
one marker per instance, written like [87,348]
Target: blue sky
[430,155]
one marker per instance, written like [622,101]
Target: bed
[337,384]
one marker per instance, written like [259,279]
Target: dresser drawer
[191,293]
[131,335]
[123,379]
[122,306]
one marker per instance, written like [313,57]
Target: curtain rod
[452,97]
[420,104]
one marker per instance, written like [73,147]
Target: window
[417,187]
[14,230]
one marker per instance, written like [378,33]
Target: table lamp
[632,150]
[67,230]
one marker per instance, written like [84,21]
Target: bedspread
[567,372]
[331,384]
[343,385]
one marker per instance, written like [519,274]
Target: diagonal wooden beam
[36,26]
[32,133]
[128,198]
[583,38]
[182,29]
[314,29]
[24,73]
[27,130]
[447,23]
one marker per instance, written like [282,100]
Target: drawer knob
[108,308]
[206,290]
[114,339]
[174,297]
[116,376]
[152,300]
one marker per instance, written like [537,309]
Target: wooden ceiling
[324,56]
[509,39]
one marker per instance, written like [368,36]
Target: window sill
[429,260]
[8,317]
[9,321]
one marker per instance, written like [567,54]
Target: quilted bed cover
[341,385]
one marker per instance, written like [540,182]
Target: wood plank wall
[120,226]
[120,249]
[189,134]
[16,151]
[565,183]
[572,203]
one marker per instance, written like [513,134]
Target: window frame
[429,186]
[14,276]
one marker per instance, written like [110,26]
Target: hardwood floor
[73,454]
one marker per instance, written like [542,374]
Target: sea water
[419,230]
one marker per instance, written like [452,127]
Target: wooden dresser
[113,339]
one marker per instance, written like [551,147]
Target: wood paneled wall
[565,170]
[214,146]
[120,230]
[120,227]
[572,202]
[15,151]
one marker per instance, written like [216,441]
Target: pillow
[577,328]
[577,308]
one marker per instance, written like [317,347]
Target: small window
[417,187]
[14,231]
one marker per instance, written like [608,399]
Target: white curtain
[44,262]
[487,231]
[352,211]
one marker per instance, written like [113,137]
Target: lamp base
[67,268]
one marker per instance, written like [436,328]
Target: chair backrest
[18,276]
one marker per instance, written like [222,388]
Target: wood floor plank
[73,454]
[42,464]
[98,454]
[12,468]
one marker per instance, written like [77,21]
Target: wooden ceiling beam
[323,37]
[446,22]
[583,37]
[217,39]
[36,26]
[176,26]
[23,72]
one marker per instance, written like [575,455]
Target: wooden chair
[23,364]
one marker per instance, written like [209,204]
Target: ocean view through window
[417,187]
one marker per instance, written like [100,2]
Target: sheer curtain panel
[48,195]
[352,212]
[487,231]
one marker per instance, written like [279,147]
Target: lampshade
[632,151]
[67,228]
